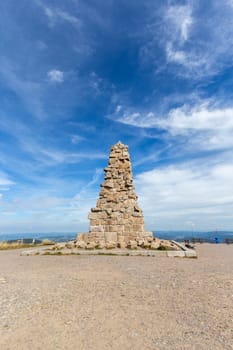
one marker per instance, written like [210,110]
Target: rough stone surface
[155,244]
[91,245]
[81,244]
[132,245]
[117,216]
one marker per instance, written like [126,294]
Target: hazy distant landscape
[176,235]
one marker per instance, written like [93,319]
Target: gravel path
[113,302]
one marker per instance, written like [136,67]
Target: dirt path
[112,302]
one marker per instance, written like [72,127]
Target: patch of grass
[18,245]
[47,242]
[162,247]
[100,253]
[57,253]
[71,253]
[9,246]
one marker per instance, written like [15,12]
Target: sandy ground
[113,302]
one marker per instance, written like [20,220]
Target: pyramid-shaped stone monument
[117,216]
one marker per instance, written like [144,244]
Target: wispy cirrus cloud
[28,90]
[77,138]
[196,40]
[69,211]
[56,15]
[179,19]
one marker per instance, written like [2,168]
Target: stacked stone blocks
[117,216]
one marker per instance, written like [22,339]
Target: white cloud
[204,126]
[195,192]
[55,76]
[56,15]
[201,117]
[207,128]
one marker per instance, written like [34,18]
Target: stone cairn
[117,219]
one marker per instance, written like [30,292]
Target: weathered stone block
[93,216]
[97,228]
[111,236]
[122,245]
[148,234]
[138,228]
[120,237]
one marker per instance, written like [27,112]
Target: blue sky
[77,76]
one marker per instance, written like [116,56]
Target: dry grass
[18,245]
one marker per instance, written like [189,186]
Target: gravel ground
[115,302]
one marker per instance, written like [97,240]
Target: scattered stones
[132,245]
[91,245]
[140,242]
[110,245]
[101,245]
[81,244]
[70,245]
[145,244]
[155,244]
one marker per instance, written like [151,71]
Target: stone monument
[117,216]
